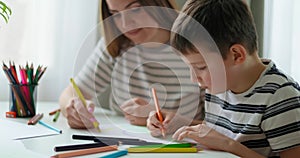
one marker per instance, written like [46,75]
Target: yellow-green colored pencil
[81,97]
[56,116]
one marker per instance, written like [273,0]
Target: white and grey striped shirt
[135,71]
[265,118]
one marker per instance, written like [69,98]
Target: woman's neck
[162,38]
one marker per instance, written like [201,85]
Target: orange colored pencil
[86,151]
[53,112]
[158,112]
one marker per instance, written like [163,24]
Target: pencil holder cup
[22,99]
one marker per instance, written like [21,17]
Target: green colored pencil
[56,116]
[183,145]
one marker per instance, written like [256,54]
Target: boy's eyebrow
[127,6]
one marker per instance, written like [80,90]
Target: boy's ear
[237,53]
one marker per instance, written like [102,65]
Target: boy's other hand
[204,135]
[136,111]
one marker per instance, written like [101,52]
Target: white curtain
[282,35]
[49,33]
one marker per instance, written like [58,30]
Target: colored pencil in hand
[158,112]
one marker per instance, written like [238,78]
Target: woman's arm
[65,98]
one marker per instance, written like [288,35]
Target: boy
[258,112]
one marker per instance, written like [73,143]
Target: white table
[110,125]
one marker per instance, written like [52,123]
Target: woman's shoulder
[101,44]
[101,50]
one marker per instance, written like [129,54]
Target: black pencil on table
[125,142]
[115,140]
[87,137]
[79,146]
[108,142]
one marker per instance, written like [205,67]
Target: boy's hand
[172,121]
[205,136]
[154,125]
[79,116]
[136,111]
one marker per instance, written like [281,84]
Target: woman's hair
[116,41]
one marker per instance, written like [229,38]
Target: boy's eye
[200,68]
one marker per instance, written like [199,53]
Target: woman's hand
[172,121]
[136,111]
[79,116]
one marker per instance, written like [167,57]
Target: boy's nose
[195,78]
[198,80]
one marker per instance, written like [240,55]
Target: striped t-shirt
[265,118]
[135,71]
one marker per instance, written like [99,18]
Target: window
[282,35]
[47,32]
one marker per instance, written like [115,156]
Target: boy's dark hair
[227,21]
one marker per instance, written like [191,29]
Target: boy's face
[199,70]
[208,71]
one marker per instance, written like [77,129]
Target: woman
[133,56]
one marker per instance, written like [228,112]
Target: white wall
[282,35]
[50,33]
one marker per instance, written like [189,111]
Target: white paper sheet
[16,149]
[16,130]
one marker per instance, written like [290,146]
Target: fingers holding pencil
[86,114]
[79,116]
[154,125]
[87,107]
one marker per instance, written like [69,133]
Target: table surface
[110,125]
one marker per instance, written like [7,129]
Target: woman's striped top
[135,71]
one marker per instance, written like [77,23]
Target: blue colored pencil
[49,126]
